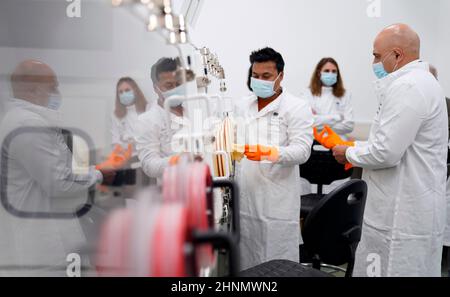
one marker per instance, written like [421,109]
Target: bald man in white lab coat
[404,164]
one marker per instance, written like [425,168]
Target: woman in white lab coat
[130,103]
[331,105]
[330,101]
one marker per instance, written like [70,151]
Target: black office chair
[321,169]
[332,230]
[68,138]
[446,250]
[448,163]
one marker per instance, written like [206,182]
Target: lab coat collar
[327,90]
[274,105]
[53,117]
[169,115]
[384,83]
[176,119]
[131,107]
[131,112]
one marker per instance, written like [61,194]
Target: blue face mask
[262,88]
[379,70]
[329,79]
[127,98]
[54,101]
[178,91]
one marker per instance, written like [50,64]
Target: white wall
[442,61]
[304,31]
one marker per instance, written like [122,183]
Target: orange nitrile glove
[118,149]
[174,160]
[348,166]
[117,159]
[129,152]
[331,139]
[260,153]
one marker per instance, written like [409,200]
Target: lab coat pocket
[340,105]
[420,215]
[274,173]
[280,193]
[279,134]
[379,211]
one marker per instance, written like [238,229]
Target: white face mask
[54,101]
[178,91]
[127,98]
[264,88]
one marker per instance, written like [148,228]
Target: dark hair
[141,102]
[268,54]
[249,79]
[316,84]
[163,65]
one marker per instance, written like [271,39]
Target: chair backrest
[333,228]
[322,168]
[68,138]
[448,163]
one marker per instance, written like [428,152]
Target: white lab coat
[404,164]
[155,142]
[39,178]
[332,111]
[447,227]
[270,192]
[123,130]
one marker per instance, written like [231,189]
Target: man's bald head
[396,46]
[33,81]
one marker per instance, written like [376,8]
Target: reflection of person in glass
[157,128]
[39,177]
[130,103]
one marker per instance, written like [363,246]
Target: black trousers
[447,250]
[126,177]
